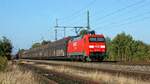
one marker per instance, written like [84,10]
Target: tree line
[124,48]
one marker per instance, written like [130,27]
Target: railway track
[128,70]
[97,65]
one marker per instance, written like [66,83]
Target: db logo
[75,44]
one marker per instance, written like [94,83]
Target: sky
[25,22]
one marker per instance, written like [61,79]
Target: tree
[5,47]
[141,52]
[121,46]
[109,48]
[44,42]
[35,45]
[18,55]
[5,52]
[148,53]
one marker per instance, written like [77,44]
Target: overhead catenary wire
[119,10]
[77,13]
[130,11]
[126,19]
[138,20]
[128,22]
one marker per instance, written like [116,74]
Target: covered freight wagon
[52,50]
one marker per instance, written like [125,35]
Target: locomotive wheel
[101,59]
[88,59]
[84,59]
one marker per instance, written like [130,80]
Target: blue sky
[28,21]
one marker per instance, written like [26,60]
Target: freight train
[86,47]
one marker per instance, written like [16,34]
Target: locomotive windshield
[96,39]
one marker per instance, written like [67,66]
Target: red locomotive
[88,46]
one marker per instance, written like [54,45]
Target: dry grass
[103,78]
[14,75]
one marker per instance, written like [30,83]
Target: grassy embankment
[13,74]
[102,78]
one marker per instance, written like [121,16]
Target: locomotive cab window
[92,39]
[96,39]
[100,39]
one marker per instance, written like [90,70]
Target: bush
[3,63]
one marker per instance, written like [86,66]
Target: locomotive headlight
[102,46]
[91,46]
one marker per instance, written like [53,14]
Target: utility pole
[64,31]
[56,30]
[55,34]
[88,20]
[77,28]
